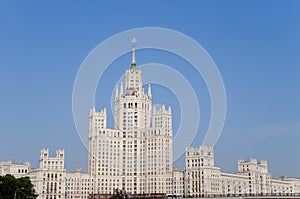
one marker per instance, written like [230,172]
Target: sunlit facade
[135,156]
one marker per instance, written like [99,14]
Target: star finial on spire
[133,40]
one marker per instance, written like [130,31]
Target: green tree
[7,187]
[10,187]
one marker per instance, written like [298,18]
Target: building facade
[51,181]
[135,156]
[258,176]
[78,185]
[17,170]
[49,178]
[178,183]
[200,178]
[234,185]
[203,179]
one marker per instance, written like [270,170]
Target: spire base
[133,66]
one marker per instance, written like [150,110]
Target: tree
[10,187]
[24,188]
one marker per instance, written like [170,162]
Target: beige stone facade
[135,156]
[177,182]
[78,185]
[203,179]
[17,170]
[49,178]
[234,185]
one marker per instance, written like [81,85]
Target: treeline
[16,188]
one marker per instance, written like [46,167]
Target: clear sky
[255,45]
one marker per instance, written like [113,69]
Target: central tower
[133,107]
[135,156]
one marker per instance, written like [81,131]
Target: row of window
[22,170]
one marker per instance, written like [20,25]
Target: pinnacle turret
[117,92]
[121,89]
[149,91]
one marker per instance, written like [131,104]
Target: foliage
[10,187]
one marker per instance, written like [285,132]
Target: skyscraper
[135,156]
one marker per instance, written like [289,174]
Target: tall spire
[133,62]
[149,91]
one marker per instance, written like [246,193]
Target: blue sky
[255,45]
